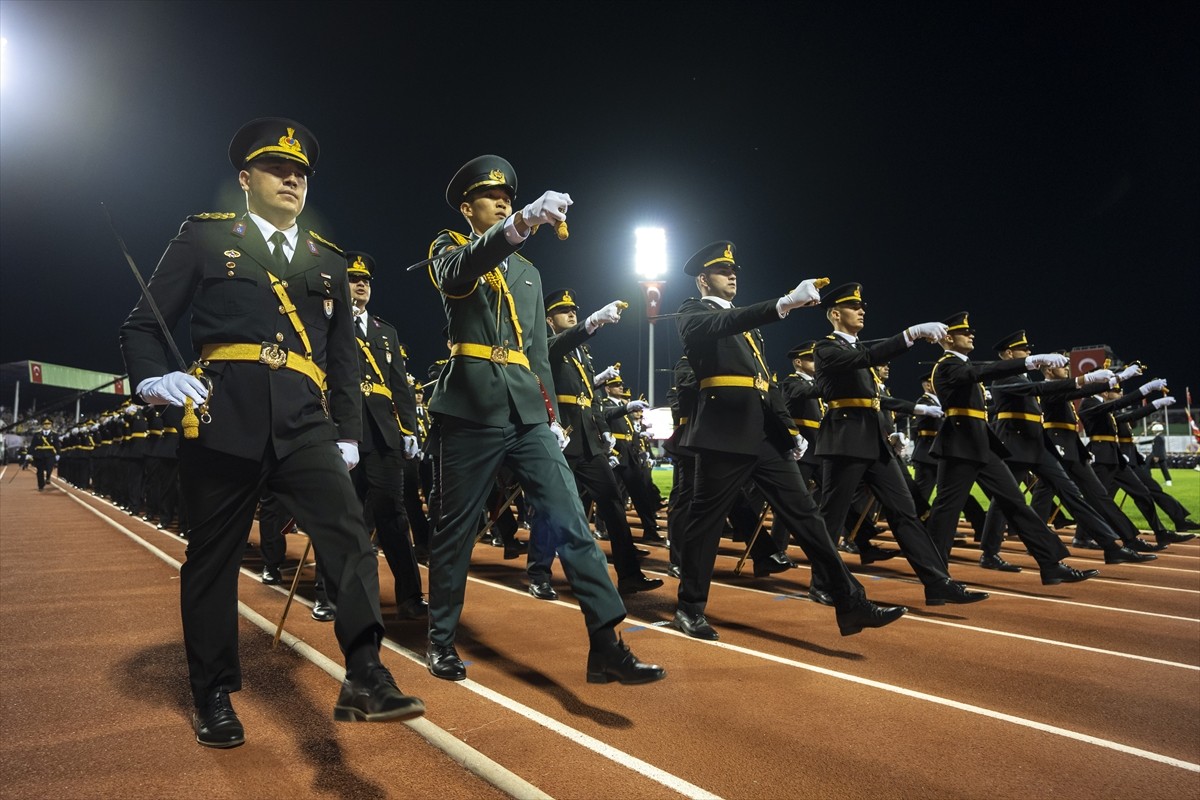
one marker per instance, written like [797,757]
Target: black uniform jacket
[732,419]
[806,408]
[1018,415]
[217,265]
[958,383]
[1100,423]
[927,430]
[843,372]
[1061,422]
[478,389]
[682,398]
[577,401]
[396,416]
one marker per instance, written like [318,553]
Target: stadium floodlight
[650,253]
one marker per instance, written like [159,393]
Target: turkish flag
[119,386]
[653,293]
[35,372]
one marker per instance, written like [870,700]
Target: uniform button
[284,284]
[281,311]
[279,337]
[230,273]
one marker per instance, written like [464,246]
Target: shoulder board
[455,236]
[523,258]
[945,355]
[211,215]
[832,337]
[316,236]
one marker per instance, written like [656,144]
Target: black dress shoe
[422,554]
[640,552]
[695,626]
[870,553]
[848,546]
[1084,543]
[637,583]
[1061,573]
[374,697]
[216,723]
[1142,546]
[413,608]
[542,590]
[865,614]
[997,563]
[514,549]
[674,571]
[772,564]
[653,537]
[1187,525]
[948,591]
[324,612]
[614,662]
[1126,555]
[444,663]
[271,576]
[821,596]
[1171,537]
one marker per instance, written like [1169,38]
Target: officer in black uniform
[389,435]
[277,390]
[45,452]
[742,432]
[682,400]
[1018,425]
[969,451]
[618,410]
[587,451]
[853,440]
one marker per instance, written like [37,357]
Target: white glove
[411,447]
[547,209]
[930,331]
[1046,360]
[935,412]
[1131,371]
[559,434]
[130,410]
[610,313]
[1098,375]
[614,462]
[609,440]
[1153,386]
[797,452]
[172,389]
[349,452]
[636,405]
[645,435]
[1163,402]
[898,441]
[805,294]
[607,374]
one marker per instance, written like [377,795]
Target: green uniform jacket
[477,389]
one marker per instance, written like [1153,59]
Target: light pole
[650,263]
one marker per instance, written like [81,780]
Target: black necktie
[281,261]
[362,327]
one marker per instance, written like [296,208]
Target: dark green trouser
[466,459]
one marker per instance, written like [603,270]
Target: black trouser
[1121,476]
[379,483]
[45,467]
[810,472]
[273,523]
[719,477]
[679,505]
[418,522]
[1089,522]
[1173,508]
[221,492]
[594,476]
[841,479]
[1084,477]
[925,480]
[641,494]
[956,476]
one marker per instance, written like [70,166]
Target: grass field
[1186,490]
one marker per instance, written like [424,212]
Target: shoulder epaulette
[832,337]
[326,242]
[523,258]
[209,216]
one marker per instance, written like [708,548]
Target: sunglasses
[359,279]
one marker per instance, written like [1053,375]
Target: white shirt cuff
[510,231]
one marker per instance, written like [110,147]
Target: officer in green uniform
[494,406]
[278,393]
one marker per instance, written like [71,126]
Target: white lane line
[461,752]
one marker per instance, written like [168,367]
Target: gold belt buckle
[583,400]
[272,355]
[875,404]
[499,355]
[367,387]
[761,384]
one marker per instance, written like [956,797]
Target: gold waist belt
[1112,439]
[927,433]
[137,435]
[807,423]
[966,412]
[494,353]
[855,402]
[369,388]
[743,381]
[267,353]
[1062,426]
[1019,415]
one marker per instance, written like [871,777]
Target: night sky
[1033,163]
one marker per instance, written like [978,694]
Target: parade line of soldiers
[301,404]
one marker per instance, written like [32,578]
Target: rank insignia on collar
[312,247]
[328,308]
[326,277]
[232,254]
[239,228]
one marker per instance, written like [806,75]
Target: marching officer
[389,436]
[45,452]
[276,393]
[619,416]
